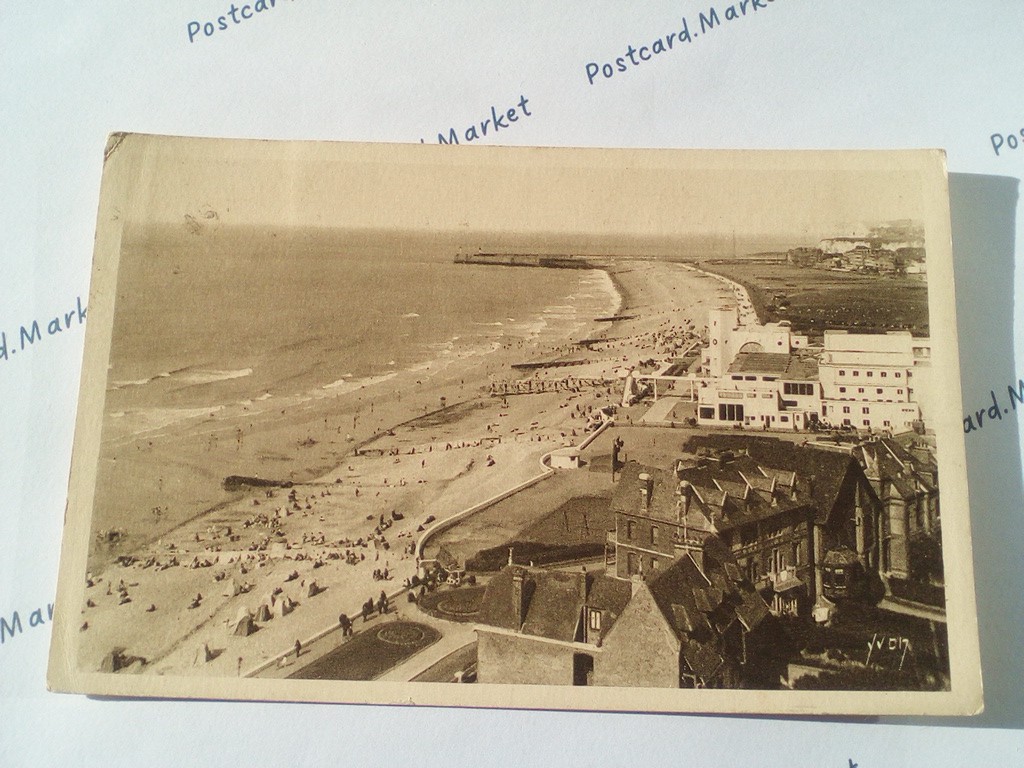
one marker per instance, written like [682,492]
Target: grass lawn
[818,299]
[461,604]
[447,668]
[371,653]
[575,529]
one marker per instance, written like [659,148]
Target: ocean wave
[147,420]
[410,315]
[341,386]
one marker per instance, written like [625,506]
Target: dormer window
[594,620]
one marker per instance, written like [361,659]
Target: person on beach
[298,649]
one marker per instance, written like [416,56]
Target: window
[595,621]
[909,374]
[897,374]
[878,391]
[867,422]
[654,534]
[856,373]
[883,374]
[846,422]
[846,409]
[865,410]
[736,378]
[654,563]
[793,388]
[750,378]
[707,412]
[630,525]
[860,390]
[886,423]
[899,391]
[730,412]
[784,418]
[842,373]
[842,389]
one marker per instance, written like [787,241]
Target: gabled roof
[701,604]
[626,497]
[554,601]
[908,471]
[556,606]
[826,470]
[497,607]
[722,498]
[606,593]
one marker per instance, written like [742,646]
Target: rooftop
[786,366]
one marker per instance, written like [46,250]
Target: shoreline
[427,462]
[299,437]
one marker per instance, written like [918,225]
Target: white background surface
[797,74]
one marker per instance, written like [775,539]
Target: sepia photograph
[632,430]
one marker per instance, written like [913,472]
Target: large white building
[765,377]
[874,381]
[727,338]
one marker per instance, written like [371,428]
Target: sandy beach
[368,468]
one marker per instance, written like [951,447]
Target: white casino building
[765,377]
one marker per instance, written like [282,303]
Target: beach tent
[231,588]
[283,606]
[242,625]
[314,589]
[263,613]
[204,654]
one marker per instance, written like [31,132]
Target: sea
[267,319]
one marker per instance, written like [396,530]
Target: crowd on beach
[249,554]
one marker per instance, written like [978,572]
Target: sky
[615,199]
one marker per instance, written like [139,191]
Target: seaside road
[660,410]
[454,636]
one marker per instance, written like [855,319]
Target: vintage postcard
[645,430]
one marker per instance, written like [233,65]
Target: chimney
[685,494]
[646,488]
[519,597]
[582,584]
